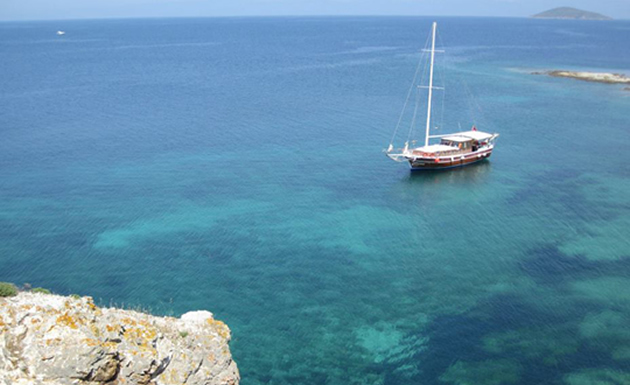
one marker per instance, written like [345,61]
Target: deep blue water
[235,165]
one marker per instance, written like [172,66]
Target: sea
[236,165]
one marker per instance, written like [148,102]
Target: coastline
[595,77]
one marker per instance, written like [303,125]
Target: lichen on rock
[58,340]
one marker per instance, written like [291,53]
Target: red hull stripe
[447,162]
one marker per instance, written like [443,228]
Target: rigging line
[479,108]
[442,76]
[440,41]
[424,76]
[418,98]
[413,83]
[471,100]
[442,113]
[473,105]
[440,79]
[402,113]
[415,113]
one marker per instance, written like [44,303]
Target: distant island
[570,13]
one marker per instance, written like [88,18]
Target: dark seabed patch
[548,265]
[503,341]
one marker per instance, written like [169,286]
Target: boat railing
[461,153]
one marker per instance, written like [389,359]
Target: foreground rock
[599,77]
[55,340]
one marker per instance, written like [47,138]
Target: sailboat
[453,150]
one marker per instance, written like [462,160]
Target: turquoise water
[235,165]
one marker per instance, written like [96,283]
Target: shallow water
[235,165]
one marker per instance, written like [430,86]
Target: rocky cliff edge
[53,340]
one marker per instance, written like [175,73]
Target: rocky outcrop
[599,77]
[55,340]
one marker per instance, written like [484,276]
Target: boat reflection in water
[471,175]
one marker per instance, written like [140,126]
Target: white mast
[426,138]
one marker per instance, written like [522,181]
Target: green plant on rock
[7,289]
[75,296]
[183,334]
[40,290]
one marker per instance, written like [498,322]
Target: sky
[90,9]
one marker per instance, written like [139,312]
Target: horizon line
[284,16]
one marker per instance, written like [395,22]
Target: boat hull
[424,164]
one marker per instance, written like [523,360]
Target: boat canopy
[456,138]
[435,148]
[476,135]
